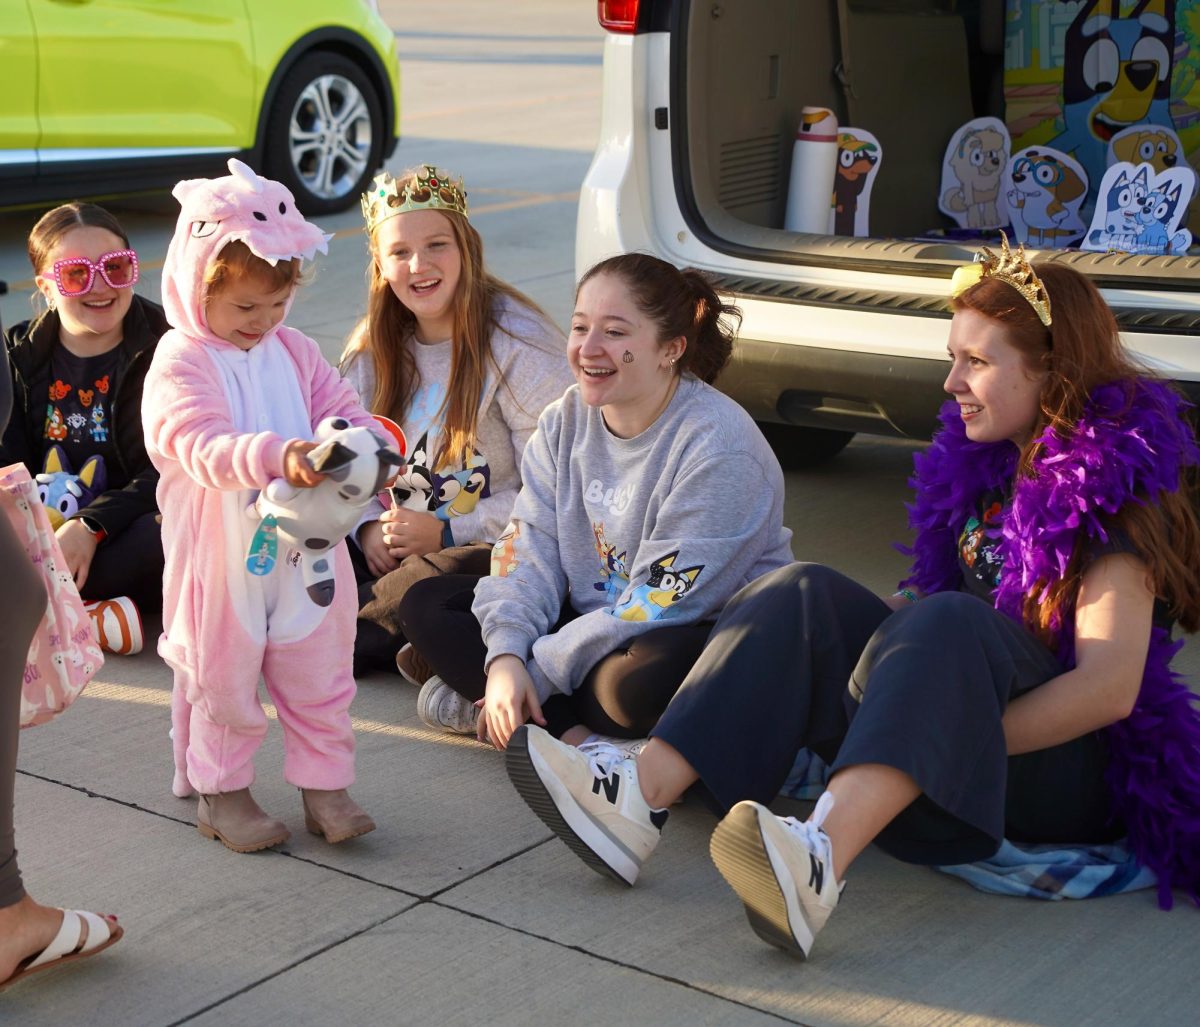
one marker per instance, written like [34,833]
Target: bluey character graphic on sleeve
[614,575]
[662,590]
[459,492]
[504,552]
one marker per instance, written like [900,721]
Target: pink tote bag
[64,653]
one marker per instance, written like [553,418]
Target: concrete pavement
[461,908]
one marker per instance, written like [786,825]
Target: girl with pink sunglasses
[77,373]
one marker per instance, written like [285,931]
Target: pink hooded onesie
[217,421]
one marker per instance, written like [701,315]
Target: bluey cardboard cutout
[858,159]
[1045,190]
[1140,211]
[972,174]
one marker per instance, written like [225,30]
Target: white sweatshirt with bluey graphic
[658,530]
[527,370]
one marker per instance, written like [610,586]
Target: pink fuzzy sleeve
[329,394]
[186,419]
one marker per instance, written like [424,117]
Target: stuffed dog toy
[356,463]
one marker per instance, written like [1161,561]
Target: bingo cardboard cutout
[1045,190]
[858,159]
[972,174]
[1139,211]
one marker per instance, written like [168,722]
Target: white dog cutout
[356,462]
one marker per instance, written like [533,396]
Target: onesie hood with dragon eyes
[239,207]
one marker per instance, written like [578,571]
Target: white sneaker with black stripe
[781,869]
[588,796]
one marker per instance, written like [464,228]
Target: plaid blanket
[1056,871]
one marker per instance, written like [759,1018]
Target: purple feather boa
[1130,446]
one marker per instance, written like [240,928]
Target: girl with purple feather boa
[1018,684]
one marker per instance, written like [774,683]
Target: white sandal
[67,946]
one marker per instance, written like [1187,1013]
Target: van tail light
[617,15]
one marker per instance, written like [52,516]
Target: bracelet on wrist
[907,593]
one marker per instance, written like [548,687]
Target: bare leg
[576,735]
[663,774]
[867,797]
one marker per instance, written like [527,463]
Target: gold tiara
[426,189]
[1012,269]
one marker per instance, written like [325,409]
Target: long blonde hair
[384,334]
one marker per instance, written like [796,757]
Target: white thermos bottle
[814,163]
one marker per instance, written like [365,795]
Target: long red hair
[1081,350]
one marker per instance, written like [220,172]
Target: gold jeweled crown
[428,188]
[1012,269]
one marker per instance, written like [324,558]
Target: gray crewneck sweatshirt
[661,529]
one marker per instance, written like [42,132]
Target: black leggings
[805,657]
[22,606]
[623,695]
[130,564]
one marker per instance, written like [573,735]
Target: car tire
[798,447]
[324,136]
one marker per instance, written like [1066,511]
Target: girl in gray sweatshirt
[648,499]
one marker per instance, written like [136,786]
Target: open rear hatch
[911,72]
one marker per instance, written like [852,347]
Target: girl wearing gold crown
[1023,693]
[465,364]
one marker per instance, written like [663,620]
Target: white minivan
[840,334]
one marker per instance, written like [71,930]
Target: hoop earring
[50,304]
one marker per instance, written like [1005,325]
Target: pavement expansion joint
[107,798]
[285,969]
[664,978]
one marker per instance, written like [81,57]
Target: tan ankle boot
[236,820]
[334,815]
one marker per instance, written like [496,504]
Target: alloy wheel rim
[330,136]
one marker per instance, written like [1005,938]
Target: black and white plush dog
[356,462]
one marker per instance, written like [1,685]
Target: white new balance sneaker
[443,709]
[781,869]
[589,797]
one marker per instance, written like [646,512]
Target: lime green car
[108,96]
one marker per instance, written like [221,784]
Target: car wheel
[798,448]
[324,137]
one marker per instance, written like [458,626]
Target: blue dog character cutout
[63,492]
[1140,211]
[1045,190]
[1116,73]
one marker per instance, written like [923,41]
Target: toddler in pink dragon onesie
[230,398]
